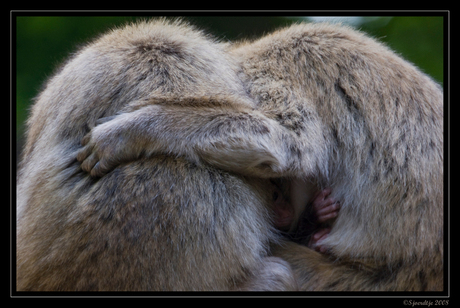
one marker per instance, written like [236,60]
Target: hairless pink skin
[324,209]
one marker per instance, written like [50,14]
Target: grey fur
[319,103]
[154,224]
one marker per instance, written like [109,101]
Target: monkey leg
[159,224]
[320,272]
[273,274]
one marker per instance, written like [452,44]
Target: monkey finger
[321,248]
[321,204]
[326,217]
[321,234]
[317,237]
[86,139]
[88,164]
[101,168]
[328,208]
[96,171]
[326,192]
[320,196]
[83,153]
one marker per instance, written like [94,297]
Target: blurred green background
[42,43]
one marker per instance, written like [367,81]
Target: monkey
[312,226]
[162,223]
[334,105]
[383,122]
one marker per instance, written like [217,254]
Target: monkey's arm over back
[236,139]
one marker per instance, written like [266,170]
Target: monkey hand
[325,210]
[317,238]
[105,147]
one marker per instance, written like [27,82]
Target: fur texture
[337,107]
[379,124]
[153,224]
[314,102]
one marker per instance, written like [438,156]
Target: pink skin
[324,209]
[284,212]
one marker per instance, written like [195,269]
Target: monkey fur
[161,224]
[356,118]
[312,101]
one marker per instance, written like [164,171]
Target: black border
[403,298]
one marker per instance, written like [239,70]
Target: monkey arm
[239,140]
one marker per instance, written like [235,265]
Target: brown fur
[335,106]
[162,223]
[382,125]
[308,102]
[381,120]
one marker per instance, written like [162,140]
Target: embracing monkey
[190,131]
[160,223]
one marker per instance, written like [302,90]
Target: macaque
[150,154]
[332,105]
[313,226]
[160,223]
